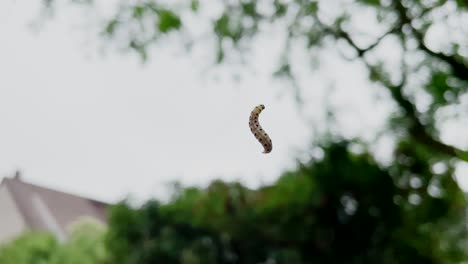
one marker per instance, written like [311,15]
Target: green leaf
[220,54]
[314,37]
[463,155]
[312,8]
[283,71]
[138,11]
[443,89]
[194,5]
[462,3]
[168,21]
[280,8]
[111,26]
[140,48]
[225,29]
[221,26]
[249,9]
[370,2]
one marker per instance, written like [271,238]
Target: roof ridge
[64,207]
[21,181]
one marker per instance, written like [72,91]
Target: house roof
[51,210]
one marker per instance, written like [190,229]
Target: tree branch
[416,129]
[344,35]
[460,69]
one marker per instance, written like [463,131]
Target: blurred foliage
[85,245]
[28,248]
[342,208]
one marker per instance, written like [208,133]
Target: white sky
[108,127]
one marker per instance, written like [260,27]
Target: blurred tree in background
[85,245]
[343,206]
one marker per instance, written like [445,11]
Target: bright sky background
[108,126]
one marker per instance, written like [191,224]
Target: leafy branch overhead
[439,72]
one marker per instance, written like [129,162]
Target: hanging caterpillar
[258,131]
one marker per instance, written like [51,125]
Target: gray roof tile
[65,208]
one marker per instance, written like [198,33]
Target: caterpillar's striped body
[258,131]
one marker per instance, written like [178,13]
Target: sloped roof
[51,210]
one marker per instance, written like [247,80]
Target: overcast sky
[107,126]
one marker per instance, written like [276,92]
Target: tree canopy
[341,208]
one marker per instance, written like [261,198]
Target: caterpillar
[258,131]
